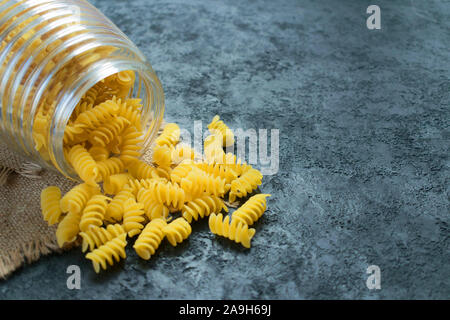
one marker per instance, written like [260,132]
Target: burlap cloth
[24,235]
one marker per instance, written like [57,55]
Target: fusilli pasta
[150,238]
[177,231]
[114,248]
[237,231]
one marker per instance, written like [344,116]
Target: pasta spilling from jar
[122,197]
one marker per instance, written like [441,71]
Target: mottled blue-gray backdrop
[364,169]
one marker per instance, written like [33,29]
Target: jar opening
[146,87]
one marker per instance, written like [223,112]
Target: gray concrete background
[364,168]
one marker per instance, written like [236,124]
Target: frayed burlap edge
[31,251]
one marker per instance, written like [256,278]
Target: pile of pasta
[123,197]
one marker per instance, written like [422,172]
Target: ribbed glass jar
[51,53]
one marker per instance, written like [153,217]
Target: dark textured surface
[363,118]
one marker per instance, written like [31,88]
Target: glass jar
[51,53]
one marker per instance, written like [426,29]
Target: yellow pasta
[170,135]
[203,207]
[232,162]
[213,142]
[99,153]
[164,172]
[94,237]
[197,182]
[103,141]
[218,125]
[50,204]
[113,184]
[177,231]
[218,170]
[39,130]
[130,110]
[84,164]
[181,171]
[251,210]
[141,170]
[75,200]
[114,210]
[236,231]
[83,106]
[109,167]
[68,229]
[162,156]
[156,211]
[150,238]
[131,146]
[245,184]
[152,208]
[104,135]
[136,185]
[104,255]
[74,134]
[166,193]
[94,212]
[114,146]
[98,115]
[133,217]
[182,152]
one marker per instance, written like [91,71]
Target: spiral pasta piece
[230,161]
[39,131]
[95,236]
[94,212]
[124,81]
[170,135]
[152,208]
[141,170]
[213,146]
[114,210]
[236,231]
[131,146]
[130,111]
[75,200]
[68,229]
[150,238]
[245,184]
[219,126]
[104,135]
[251,210]
[114,183]
[202,207]
[181,171]
[83,106]
[50,204]
[99,153]
[156,211]
[166,193]
[104,255]
[162,155]
[133,217]
[83,163]
[99,114]
[182,152]
[136,185]
[197,182]
[218,170]
[126,78]
[109,167]
[163,173]
[177,231]
[74,134]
